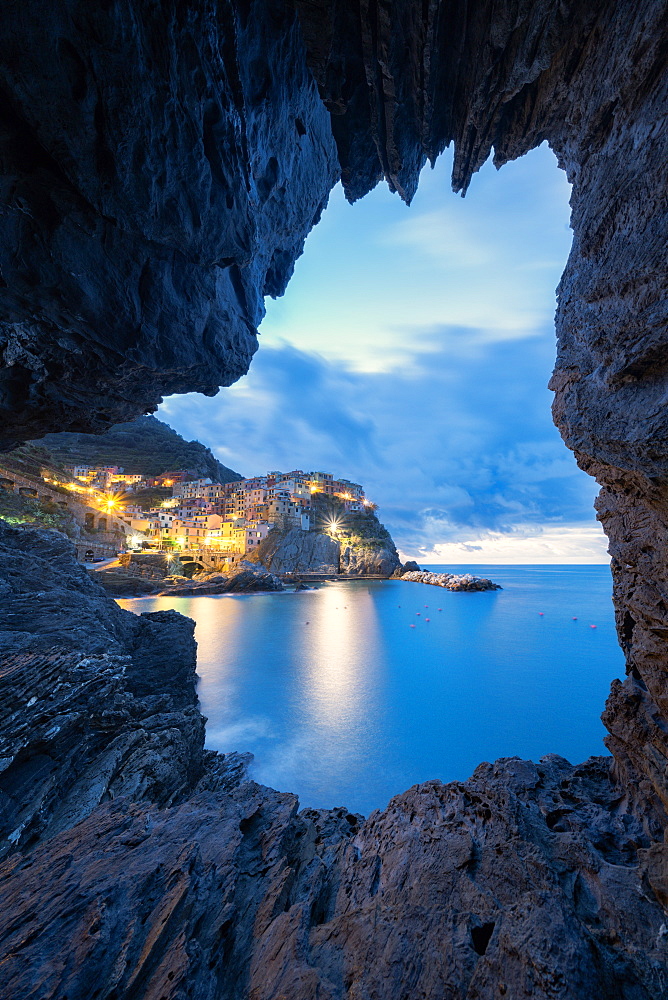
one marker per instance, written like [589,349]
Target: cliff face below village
[364,547]
[161,166]
[145,445]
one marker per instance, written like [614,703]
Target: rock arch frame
[162,168]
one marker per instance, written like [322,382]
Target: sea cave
[162,168]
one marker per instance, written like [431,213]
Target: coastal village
[142,530]
[217,523]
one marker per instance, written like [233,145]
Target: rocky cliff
[297,551]
[362,547]
[161,166]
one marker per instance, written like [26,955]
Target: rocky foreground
[451,581]
[154,581]
[138,864]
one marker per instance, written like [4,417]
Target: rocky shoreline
[451,581]
[137,863]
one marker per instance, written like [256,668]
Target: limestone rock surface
[297,551]
[161,166]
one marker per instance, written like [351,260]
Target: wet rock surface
[451,581]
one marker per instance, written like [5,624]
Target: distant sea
[342,702]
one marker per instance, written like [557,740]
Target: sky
[411,353]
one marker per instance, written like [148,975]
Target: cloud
[378,282]
[411,353]
[456,451]
[562,544]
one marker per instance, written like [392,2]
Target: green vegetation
[33,513]
[355,528]
[146,445]
[35,461]
[152,496]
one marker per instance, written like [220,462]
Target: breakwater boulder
[452,581]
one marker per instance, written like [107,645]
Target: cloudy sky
[411,353]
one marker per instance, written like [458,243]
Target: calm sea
[344,703]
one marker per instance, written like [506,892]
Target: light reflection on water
[345,704]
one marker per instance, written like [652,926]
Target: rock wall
[96,703]
[161,166]
[361,557]
[297,551]
[311,552]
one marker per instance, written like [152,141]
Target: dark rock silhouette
[162,165]
[136,863]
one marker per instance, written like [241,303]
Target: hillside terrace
[223,520]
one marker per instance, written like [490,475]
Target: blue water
[345,704]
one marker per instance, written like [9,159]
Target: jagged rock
[521,882]
[161,165]
[407,567]
[451,581]
[161,169]
[248,577]
[362,558]
[318,554]
[138,864]
[296,551]
[95,702]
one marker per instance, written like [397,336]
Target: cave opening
[411,352]
[413,347]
